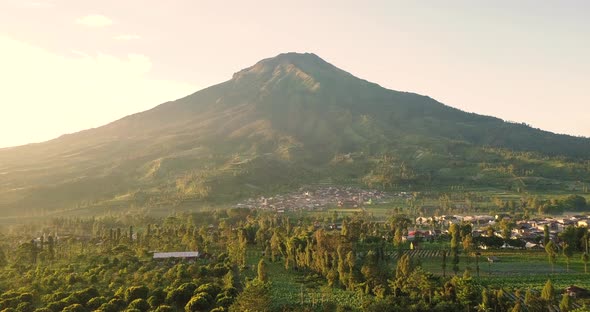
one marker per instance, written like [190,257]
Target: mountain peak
[306,67]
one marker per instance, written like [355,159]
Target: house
[577,292]
[183,255]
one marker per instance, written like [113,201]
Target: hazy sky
[68,65]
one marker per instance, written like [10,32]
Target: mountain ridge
[294,113]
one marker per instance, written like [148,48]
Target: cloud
[127,37]
[45,94]
[95,21]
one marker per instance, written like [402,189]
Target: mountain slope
[285,121]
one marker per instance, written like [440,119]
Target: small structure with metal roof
[177,255]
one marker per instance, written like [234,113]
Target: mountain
[289,120]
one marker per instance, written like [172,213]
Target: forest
[252,260]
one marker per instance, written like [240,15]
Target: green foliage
[360,270]
[548,292]
[198,302]
[136,292]
[139,304]
[262,271]
[74,308]
[565,305]
[255,297]
[306,123]
[164,308]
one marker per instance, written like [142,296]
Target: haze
[71,65]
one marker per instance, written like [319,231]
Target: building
[184,255]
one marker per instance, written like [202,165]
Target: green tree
[181,295]
[255,297]
[565,305]
[139,304]
[506,228]
[454,231]
[548,292]
[551,251]
[532,302]
[486,302]
[197,303]
[262,271]
[74,308]
[546,235]
[568,252]
[467,291]
[136,292]
[517,307]
[444,263]
[403,270]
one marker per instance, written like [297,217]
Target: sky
[69,65]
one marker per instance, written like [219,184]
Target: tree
[517,307]
[546,237]
[552,254]
[181,295]
[467,243]
[502,301]
[532,302]
[255,297]
[454,231]
[197,303]
[506,228]
[568,252]
[262,271]
[136,292]
[397,237]
[585,259]
[467,290]
[403,270]
[444,263]
[51,247]
[485,304]
[548,292]
[370,268]
[139,304]
[565,305]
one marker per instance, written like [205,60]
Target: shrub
[209,288]
[25,297]
[85,295]
[74,308]
[136,292]
[56,306]
[139,304]
[25,307]
[197,303]
[95,303]
[164,308]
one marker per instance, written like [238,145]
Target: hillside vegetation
[286,121]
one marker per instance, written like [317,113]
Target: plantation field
[515,268]
[293,289]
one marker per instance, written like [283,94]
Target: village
[527,234]
[319,198]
